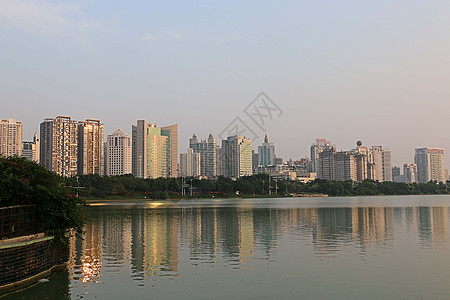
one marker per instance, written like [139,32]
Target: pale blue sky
[376,71]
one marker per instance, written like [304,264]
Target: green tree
[25,182]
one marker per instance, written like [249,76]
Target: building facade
[410,173]
[90,147]
[430,164]
[316,148]
[11,132]
[190,163]
[59,145]
[266,153]
[118,153]
[30,150]
[325,165]
[153,150]
[237,156]
[209,155]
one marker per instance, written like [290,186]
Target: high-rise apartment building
[153,150]
[345,167]
[377,160]
[30,150]
[59,145]
[90,147]
[324,163]
[171,132]
[118,153]
[10,137]
[395,171]
[237,156]
[190,163]
[430,164]
[387,165]
[266,153]
[316,148]
[410,173]
[209,155]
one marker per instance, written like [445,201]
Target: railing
[18,221]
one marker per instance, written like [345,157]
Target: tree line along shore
[94,186]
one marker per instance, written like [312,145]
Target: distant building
[399,179]
[430,164]
[325,163]
[59,145]
[30,150]
[154,150]
[254,160]
[69,147]
[387,165]
[410,173]
[237,156]
[209,153]
[190,163]
[266,153]
[316,148]
[395,171]
[90,147]
[10,137]
[344,164]
[118,153]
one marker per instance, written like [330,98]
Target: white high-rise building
[10,137]
[237,156]
[410,173]
[90,147]
[59,145]
[387,166]
[154,150]
[118,153]
[316,148]
[430,164]
[209,153]
[30,150]
[190,163]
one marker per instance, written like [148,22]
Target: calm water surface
[293,248]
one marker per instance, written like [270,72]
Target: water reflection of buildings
[149,240]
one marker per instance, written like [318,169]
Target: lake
[286,248]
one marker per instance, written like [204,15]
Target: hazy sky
[376,71]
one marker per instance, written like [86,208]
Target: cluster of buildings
[69,147]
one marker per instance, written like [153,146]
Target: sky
[375,71]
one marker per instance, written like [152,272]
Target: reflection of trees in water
[149,239]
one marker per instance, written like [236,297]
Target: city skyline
[343,71]
[305,152]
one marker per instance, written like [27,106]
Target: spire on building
[266,140]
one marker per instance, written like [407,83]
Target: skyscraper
[10,137]
[118,153]
[266,153]
[324,163]
[209,153]
[90,147]
[30,150]
[387,165]
[59,145]
[153,150]
[316,148]
[237,156]
[345,167]
[430,164]
[190,163]
[171,132]
[410,173]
